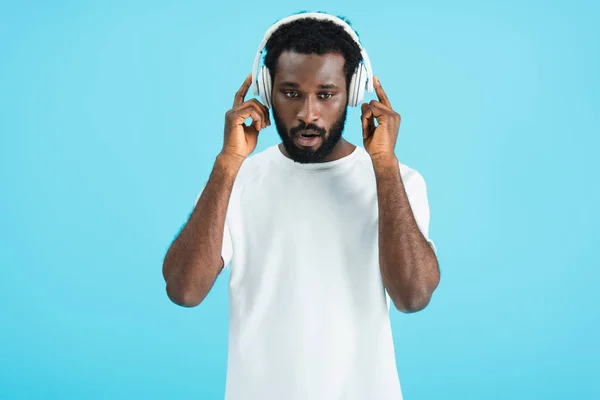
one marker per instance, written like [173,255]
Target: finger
[383,114]
[240,95]
[366,130]
[259,108]
[378,109]
[368,122]
[367,113]
[381,95]
[372,117]
[250,112]
[363,108]
[264,110]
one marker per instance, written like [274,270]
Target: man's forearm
[193,261]
[409,267]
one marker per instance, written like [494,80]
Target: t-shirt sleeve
[227,246]
[416,190]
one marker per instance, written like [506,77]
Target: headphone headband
[313,15]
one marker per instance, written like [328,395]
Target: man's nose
[308,113]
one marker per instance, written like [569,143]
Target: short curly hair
[313,36]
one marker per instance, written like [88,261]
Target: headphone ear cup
[264,86]
[361,83]
[352,91]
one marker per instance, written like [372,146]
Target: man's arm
[409,266]
[194,261]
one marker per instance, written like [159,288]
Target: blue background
[111,115]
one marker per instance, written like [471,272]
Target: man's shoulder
[260,157]
[408,172]
[256,163]
[412,178]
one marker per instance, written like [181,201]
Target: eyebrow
[295,85]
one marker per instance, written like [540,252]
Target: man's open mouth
[309,134]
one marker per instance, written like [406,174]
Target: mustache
[308,127]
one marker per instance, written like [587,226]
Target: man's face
[309,104]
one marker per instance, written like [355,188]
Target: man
[318,233]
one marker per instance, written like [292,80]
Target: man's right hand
[241,139]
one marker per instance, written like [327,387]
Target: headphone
[362,78]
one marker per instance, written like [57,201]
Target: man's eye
[326,95]
[291,94]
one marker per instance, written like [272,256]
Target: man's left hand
[379,141]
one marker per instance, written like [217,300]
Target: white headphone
[361,79]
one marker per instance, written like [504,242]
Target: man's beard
[328,139]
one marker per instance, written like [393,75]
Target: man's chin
[306,155]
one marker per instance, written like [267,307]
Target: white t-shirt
[309,315]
